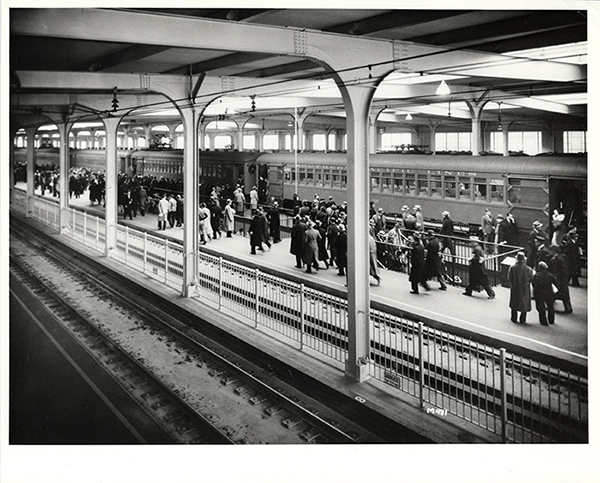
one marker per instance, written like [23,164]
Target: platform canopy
[530,65]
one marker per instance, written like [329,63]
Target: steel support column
[358,100]
[11,165]
[63,130]
[191,120]
[111,124]
[30,131]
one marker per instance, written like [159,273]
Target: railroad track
[235,393]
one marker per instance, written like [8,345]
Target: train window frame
[327,177]
[484,197]
[386,182]
[496,182]
[450,179]
[375,174]
[336,173]
[302,175]
[436,177]
[408,189]
[318,180]
[423,177]
[344,179]
[310,180]
[469,186]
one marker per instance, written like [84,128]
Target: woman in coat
[229,216]
[520,276]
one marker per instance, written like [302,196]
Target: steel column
[111,125]
[30,131]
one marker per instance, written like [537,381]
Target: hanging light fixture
[443,89]
[500,116]
[409,117]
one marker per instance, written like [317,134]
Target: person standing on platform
[341,249]
[373,267]
[488,227]
[502,234]
[172,210]
[240,199]
[265,227]
[447,232]
[256,232]
[297,240]
[163,211]
[543,293]
[127,205]
[179,211]
[573,256]
[253,198]
[322,241]
[311,247]
[215,219]
[520,276]
[477,272]
[204,223]
[513,233]
[332,232]
[434,268]
[419,222]
[229,218]
[143,200]
[558,267]
[274,219]
[380,221]
[536,240]
[417,265]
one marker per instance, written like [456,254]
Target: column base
[357,371]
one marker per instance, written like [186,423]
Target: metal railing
[520,400]
[85,228]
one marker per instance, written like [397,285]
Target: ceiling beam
[116,26]
[130,54]
[219,63]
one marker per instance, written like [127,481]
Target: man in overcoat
[297,240]
[434,268]
[477,272]
[417,266]
[520,276]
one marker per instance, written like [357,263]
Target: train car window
[386,182]
[410,184]
[318,177]
[436,185]
[450,187]
[513,191]
[335,178]
[218,169]
[423,185]
[327,177]
[310,176]
[375,181]
[497,190]
[480,189]
[465,188]
[301,176]
[344,178]
[287,176]
[398,183]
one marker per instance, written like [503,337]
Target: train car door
[275,182]
[569,196]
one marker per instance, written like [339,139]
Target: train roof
[574,166]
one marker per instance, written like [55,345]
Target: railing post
[256,272]
[97,231]
[85,228]
[145,252]
[220,280]
[421,367]
[126,243]
[301,316]
[166,259]
[503,392]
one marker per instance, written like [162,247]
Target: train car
[530,187]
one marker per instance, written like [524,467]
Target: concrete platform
[567,339]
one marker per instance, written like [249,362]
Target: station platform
[566,339]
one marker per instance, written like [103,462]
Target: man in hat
[520,277]
[487,231]
[477,272]
[536,240]
[297,240]
[573,255]
[417,265]
[543,293]
[274,219]
[434,268]
[379,220]
[253,198]
[502,234]
[341,249]
[447,233]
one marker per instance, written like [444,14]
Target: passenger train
[529,187]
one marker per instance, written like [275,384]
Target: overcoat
[417,264]
[297,243]
[520,276]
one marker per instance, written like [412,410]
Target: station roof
[531,65]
